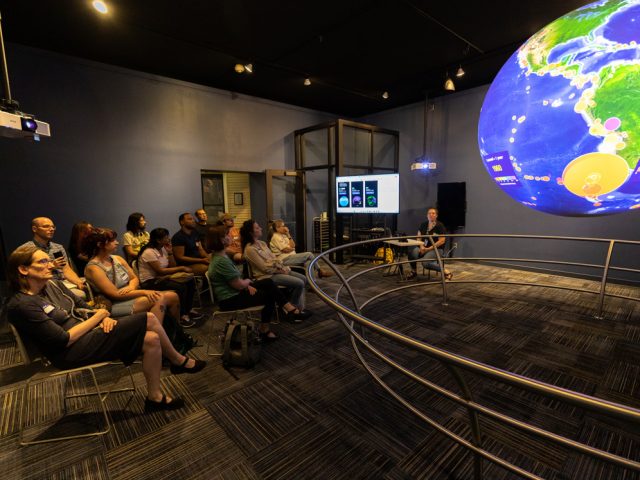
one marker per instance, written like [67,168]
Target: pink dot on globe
[612,123]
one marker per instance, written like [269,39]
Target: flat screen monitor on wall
[368,194]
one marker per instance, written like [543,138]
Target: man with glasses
[43,230]
[234,249]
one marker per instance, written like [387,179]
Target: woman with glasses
[70,335]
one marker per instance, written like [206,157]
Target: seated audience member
[157,270]
[427,251]
[234,293]
[202,226]
[111,276]
[264,264]
[234,249]
[187,248]
[284,248]
[135,237]
[43,230]
[78,258]
[71,335]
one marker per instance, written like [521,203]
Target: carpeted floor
[309,410]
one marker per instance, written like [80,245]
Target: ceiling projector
[21,125]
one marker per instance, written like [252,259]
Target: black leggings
[267,294]
[185,291]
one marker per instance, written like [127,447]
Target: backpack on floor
[241,345]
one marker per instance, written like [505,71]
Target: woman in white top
[264,264]
[136,236]
[157,270]
[284,248]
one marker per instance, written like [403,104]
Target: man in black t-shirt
[427,251]
[187,247]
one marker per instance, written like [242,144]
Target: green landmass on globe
[583,68]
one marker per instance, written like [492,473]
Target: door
[285,200]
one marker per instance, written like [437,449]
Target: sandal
[411,275]
[269,336]
[448,276]
[292,316]
[153,406]
[199,365]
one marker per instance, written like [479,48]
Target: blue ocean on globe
[559,129]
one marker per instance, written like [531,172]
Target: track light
[385,95]
[460,73]
[246,68]
[449,85]
[100,6]
[307,82]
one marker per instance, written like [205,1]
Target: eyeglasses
[47,227]
[44,261]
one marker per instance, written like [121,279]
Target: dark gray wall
[125,141]
[452,127]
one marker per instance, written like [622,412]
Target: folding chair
[201,288]
[447,254]
[29,356]
[234,314]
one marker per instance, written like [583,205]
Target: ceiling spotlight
[239,68]
[385,95]
[448,84]
[307,82]
[460,72]
[100,6]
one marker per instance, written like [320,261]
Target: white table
[398,246]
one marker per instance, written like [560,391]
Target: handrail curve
[451,361]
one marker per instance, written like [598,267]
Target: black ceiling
[353,50]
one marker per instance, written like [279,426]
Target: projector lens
[29,124]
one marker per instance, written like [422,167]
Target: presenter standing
[427,251]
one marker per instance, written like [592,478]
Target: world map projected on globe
[559,129]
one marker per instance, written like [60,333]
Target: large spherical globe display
[559,129]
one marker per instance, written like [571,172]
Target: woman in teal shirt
[233,292]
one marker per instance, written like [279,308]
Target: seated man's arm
[178,253]
[72,276]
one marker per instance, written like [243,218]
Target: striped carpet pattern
[309,410]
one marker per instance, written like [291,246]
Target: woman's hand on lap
[108,324]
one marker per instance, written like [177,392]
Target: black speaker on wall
[452,204]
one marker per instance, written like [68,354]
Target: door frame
[300,202]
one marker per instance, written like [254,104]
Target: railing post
[603,283]
[445,300]
[474,421]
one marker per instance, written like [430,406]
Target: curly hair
[97,239]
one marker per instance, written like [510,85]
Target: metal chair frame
[447,254]
[47,372]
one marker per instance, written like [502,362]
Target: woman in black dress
[46,313]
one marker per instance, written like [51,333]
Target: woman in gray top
[112,276]
[47,314]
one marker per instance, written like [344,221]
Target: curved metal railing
[458,365]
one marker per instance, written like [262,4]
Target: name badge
[48,309]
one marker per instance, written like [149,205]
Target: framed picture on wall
[238,198]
